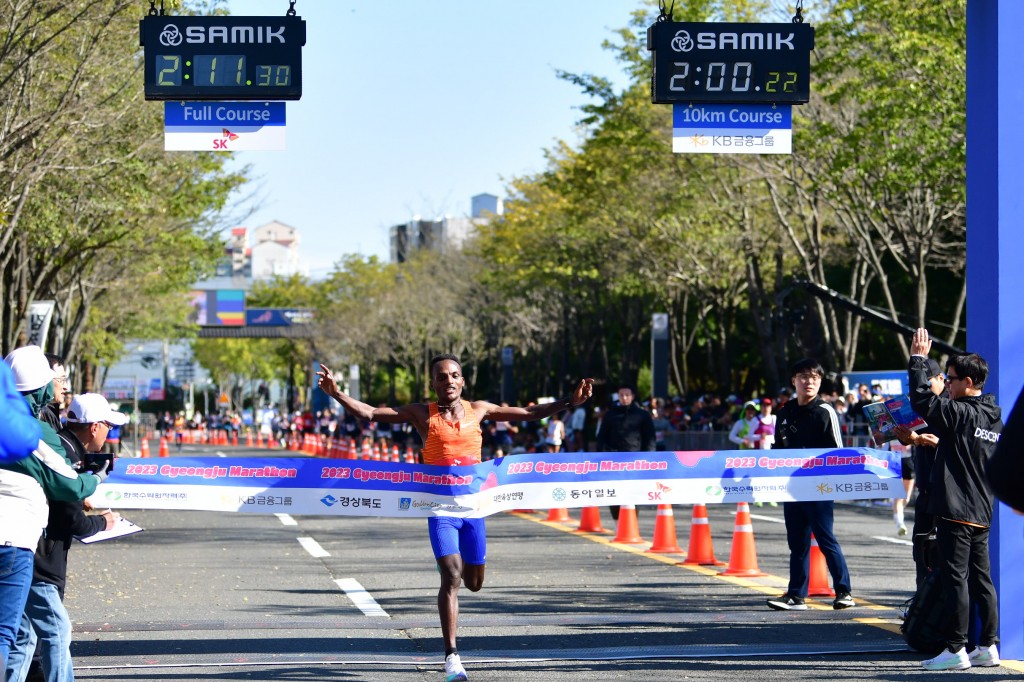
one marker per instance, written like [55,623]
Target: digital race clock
[223,58]
[730,63]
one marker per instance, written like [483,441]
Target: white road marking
[895,541]
[286,520]
[770,519]
[361,598]
[313,547]
[221,454]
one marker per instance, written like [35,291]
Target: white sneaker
[985,656]
[901,530]
[948,660]
[453,670]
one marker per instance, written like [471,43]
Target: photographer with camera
[45,622]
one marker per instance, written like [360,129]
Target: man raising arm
[450,429]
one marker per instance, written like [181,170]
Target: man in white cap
[45,622]
[26,484]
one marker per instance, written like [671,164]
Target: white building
[444,232]
[276,251]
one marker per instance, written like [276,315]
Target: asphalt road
[217,596]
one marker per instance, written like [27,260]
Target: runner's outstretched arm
[580,395]
[414,414]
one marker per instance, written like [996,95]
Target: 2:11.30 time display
[219,70]
[729,78]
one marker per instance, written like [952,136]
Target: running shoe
[453,670]
[843,600]
[901,530]
[948,660]
[787,602]
[984,656]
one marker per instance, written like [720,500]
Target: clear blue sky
[411,107]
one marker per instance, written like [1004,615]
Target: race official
[808,421]
[968,424]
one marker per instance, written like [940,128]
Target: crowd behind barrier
[703,423]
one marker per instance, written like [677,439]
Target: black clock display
[223,58]
[730,63]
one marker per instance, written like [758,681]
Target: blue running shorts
[453,535]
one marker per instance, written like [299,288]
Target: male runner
[450,429]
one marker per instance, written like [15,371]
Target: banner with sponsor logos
[366,488]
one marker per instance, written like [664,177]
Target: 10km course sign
[732,129]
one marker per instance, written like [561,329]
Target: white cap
[31,368]
[89,408]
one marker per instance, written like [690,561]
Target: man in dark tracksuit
[968,425]
[809,422]
[626,427]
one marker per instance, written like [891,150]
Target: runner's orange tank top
[453,444]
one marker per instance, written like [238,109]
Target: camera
[94,461]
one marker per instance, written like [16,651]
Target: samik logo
[990,436]
[234,34]
[682,42]
[745,41]
[170,36]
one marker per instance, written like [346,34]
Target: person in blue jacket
[33,468]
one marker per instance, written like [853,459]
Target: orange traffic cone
[163,448]
[700,552]
[665,541]
[394,453]
[271,442]
[558,514]
[248,439]
[590,521]
[817,583]
[410,456]
[234,438]
[259,439]
[365,452]
[743,557]
[627,531]
[144,448]
[376,452]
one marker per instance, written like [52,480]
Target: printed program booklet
[884,416]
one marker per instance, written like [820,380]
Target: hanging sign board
[732,129]
[224,126]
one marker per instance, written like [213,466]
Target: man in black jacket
[968,424]
[1006,467]
[45,622]
[626,427]
[809,422]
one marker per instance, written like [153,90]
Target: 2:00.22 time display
[719,77]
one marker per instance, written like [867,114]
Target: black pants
[966,578]
[925,554]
